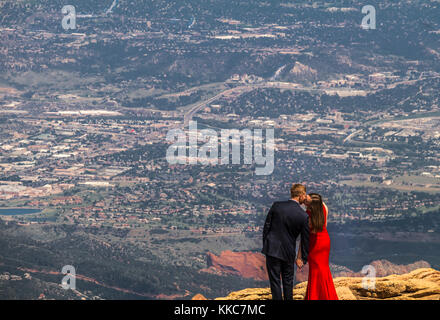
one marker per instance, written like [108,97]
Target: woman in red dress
[320,283]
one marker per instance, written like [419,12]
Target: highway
[241,89]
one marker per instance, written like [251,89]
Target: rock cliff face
[419,284]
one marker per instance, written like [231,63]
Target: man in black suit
[285,221]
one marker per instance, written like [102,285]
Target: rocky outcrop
[301,71]
[419,284]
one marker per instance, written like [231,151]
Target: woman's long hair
[317,218]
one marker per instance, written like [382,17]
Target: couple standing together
[286,220]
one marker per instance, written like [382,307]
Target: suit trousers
[277,268]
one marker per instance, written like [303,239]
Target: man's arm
[268,222]
[305,240]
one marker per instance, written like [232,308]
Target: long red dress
[320,283]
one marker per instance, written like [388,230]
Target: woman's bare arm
[326,216]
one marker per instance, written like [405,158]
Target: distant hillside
[31,269]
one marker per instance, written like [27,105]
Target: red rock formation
[244,264]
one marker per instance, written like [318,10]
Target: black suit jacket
[285,221]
